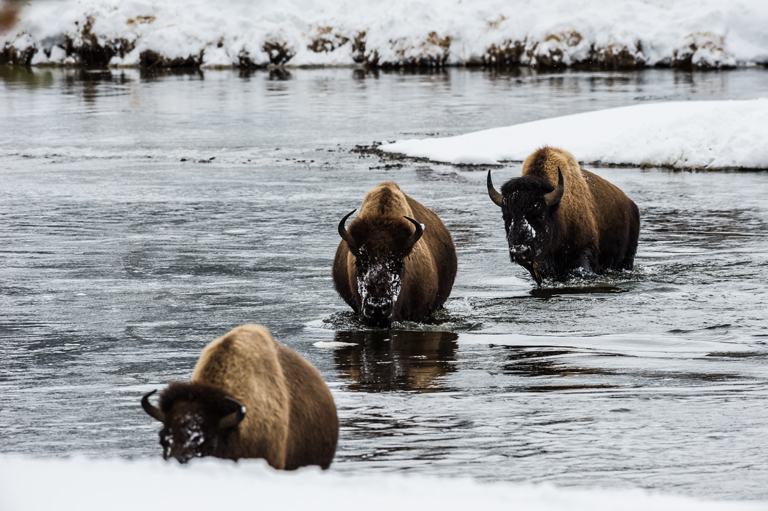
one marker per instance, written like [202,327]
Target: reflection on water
[549,292]
[383,361]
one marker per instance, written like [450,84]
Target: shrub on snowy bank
[555,34]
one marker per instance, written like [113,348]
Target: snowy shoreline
[682,135]
[84,484]
[629,34]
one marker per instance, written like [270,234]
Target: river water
[143,216]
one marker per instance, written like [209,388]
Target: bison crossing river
[251,397]
[582,222]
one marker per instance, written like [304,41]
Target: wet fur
[429,269]
[291,418]
[594,223]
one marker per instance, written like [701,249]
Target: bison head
[380,246]
[198,420]
[528,206]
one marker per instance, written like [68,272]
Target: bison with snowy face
[581,222]
[397,260]
[249,397]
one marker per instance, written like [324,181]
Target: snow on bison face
[380,246]
[197,421]
[528,206]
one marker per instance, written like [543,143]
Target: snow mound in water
[557,33]
[83,485]
[692,134]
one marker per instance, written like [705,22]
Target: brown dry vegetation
[616,57]
[554,59]
[138,20]
[433,52]
[507,54]
[683,58]
[93,55]
[327,40]
[246,62]
[9,55]
[88,53]
[358,51]
[151,59]
[279,52]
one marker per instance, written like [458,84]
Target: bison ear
[234,418]
[492,193]
[555,195]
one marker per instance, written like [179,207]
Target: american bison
[249,397]
[582,222]
[397,260]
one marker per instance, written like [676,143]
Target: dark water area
[142,217]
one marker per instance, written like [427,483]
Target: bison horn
[416,236]
[345,234]
[555,195]
[492,193]
[152,410]
[234,418]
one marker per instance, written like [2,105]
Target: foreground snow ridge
[624,34]
[685,135]
[84,485]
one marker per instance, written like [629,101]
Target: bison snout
[378,314]
[521,254]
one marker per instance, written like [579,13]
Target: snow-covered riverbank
[555,33]
[83,485]
[690,134]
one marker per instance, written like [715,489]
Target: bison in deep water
[583,222]
[249,397]
[397,260]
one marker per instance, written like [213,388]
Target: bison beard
[583,222]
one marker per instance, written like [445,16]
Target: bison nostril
[373,310]
[377,310]
[521,253]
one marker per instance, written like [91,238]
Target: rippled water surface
[143,216]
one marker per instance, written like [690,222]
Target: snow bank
[554,33]
[208,484]
[692,134]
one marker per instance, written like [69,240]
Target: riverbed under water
[143,216]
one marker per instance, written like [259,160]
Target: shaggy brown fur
[290,418]
[423,275]
[594,226]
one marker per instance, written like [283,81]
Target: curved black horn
[555,195]
[234,418]
[416,236]
[492,193]
[345,234]
[152,410]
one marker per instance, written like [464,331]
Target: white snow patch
[323,32]
[332,344]
[687,134]
[205,484]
